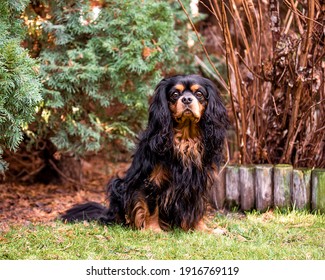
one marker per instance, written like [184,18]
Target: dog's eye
[199,94]
[175,95]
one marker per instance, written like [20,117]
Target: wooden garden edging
[265,186]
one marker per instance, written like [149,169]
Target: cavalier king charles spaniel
[175,166]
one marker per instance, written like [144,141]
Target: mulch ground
[22,204]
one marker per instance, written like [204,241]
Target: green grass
[292,235]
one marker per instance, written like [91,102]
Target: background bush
[99,63]
[19,85]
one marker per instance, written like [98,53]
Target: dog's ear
[160,121]
[214,123]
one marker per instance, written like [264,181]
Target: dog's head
[184,100]
[187,99]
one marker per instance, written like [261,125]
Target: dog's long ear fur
[160,122]
[155,140]
[214,125]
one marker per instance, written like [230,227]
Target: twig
[218,17]
[238,22]
[320,129]
[303,63]
[275,108]
[30,174]
[293,8]
[250,70]
[63,175]
[275,22]
[248,8]
[228,156]
[203,65]
[230,52]
[299,14]
[202,45]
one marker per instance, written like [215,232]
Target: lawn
[271,235]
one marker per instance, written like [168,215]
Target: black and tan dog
[175,165]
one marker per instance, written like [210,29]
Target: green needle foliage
[19,85]
[99,62]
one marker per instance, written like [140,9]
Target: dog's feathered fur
[175,164]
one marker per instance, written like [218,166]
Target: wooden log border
[266,186]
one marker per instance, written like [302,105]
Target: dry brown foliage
[274,53]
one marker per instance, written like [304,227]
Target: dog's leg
[139,214]
[142,219]
[152,221]
[201,226]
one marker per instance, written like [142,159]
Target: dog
[175,166]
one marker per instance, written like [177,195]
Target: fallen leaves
[24,204]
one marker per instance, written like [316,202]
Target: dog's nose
[187,100]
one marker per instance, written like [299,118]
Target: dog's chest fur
[188,145]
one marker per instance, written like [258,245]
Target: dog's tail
[90,211]
[93,211]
